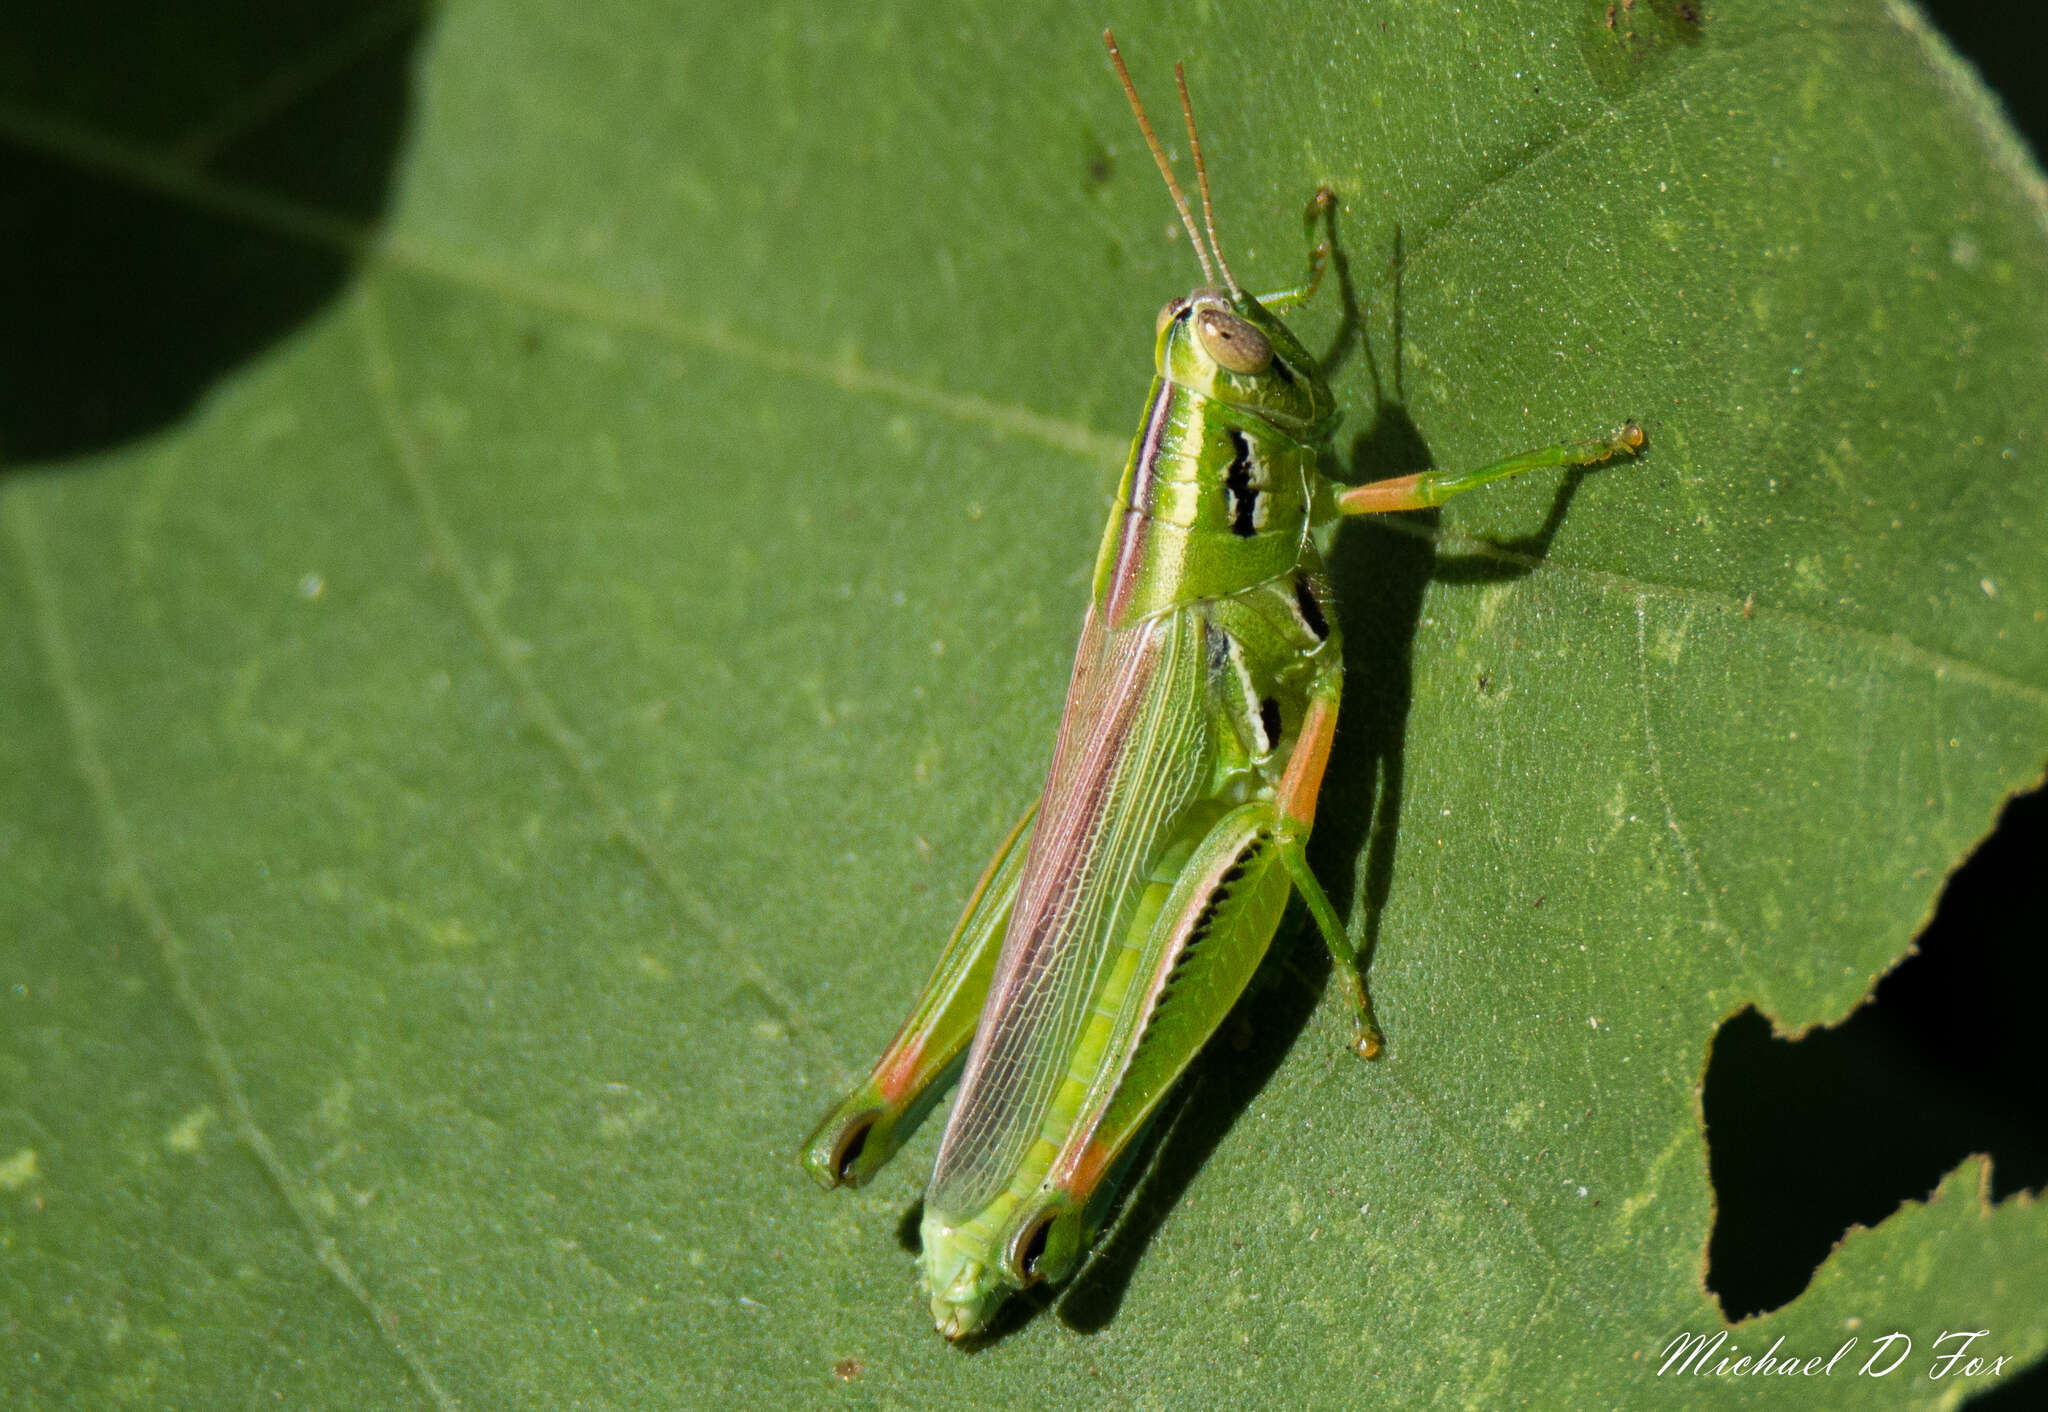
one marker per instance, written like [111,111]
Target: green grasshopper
[1123,915]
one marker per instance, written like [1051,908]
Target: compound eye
[1173,310]
[1232,342]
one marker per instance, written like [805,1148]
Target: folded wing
[1133,751]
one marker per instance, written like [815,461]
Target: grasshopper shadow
[1381,569]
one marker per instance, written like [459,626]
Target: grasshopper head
[1230,347]
[1221,341]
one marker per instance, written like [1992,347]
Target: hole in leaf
[1808,1137]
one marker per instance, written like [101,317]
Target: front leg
[1425,489]
[1321,210]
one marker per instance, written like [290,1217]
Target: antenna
[1187,217]
[1187,111]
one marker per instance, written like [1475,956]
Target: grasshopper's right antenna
[1187,217]
[1187,111]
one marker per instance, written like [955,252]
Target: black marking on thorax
[1217,643]
[1311,611]
[1218,896]
[1269,723]
[1240,496]
[1229,671]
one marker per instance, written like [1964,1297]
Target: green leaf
[474,785]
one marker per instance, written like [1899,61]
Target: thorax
[1213,501]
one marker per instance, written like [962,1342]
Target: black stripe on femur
[1219,895]
[1197,934]
[1311,611]
[1279,368]
[1269,721]
[1240,496]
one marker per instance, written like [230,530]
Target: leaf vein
[1897,646]
[292,82]
[535,704]
[150,171]
[1476,1164]
[1655,759]
[130,884]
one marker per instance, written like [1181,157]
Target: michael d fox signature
[1950,1355]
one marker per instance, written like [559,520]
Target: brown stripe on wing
[1130,553]
[1130,754]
